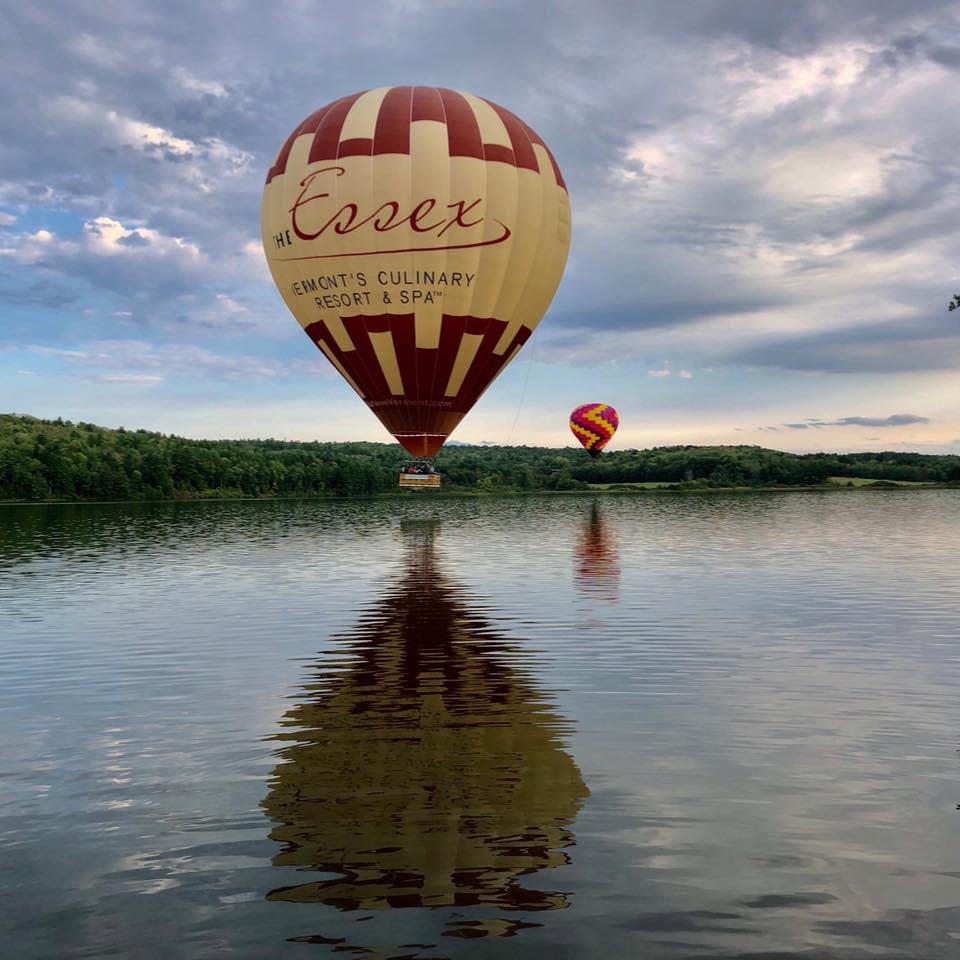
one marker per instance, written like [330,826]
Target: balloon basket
[419,475]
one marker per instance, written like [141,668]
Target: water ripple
[661,726]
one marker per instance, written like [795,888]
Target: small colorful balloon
[594,425]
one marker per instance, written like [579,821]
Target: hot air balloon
[418,235]
[594,425]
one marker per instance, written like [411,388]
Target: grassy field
[830,481]
[866,481]
[648,485]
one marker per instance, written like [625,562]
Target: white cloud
[739,182]
[813,191]
[127,378]
[765,82]
[95,50]
[230,306]
[55,352]
[140,361]
[842,170]
[192,83]
[198,164]
[139,134]
[145,268]
[114,127]
[102,237]
[254,263]
[183,359]
[110,237]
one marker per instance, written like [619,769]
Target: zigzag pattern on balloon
[594,425]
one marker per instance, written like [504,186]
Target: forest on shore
[59,460]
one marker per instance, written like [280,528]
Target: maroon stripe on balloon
[479,327]
[425,361]
[484,368]
[392,133]
[355,147]
[424,410]
[327,138]
[400,107]
[378,324]
[558,176]
[476,325]
[487,365]
[316,331]
[451,333]
[375,387]
[536,138]
[308,126]
[312,123]
[499,153]
[463,131]
[427,105]
[281,162]
[403,332]
[523,153]
[348,359]
[419,445]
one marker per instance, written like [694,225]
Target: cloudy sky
[765,200]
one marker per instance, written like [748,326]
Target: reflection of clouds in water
[597,560]
[801,722]
[425,769]
[769,713]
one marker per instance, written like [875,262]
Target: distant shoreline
[56,461]
[668,490]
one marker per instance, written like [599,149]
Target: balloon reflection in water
[428,770]
[598,561]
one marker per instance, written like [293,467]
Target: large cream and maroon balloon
[418,235]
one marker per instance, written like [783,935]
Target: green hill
[59,460]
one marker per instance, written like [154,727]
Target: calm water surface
[634,726]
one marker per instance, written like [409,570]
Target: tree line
[57,459]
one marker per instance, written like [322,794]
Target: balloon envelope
[594,425]
[418,235]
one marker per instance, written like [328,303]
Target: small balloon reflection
[597,570]
[424,768]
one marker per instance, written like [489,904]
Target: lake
[657,726]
